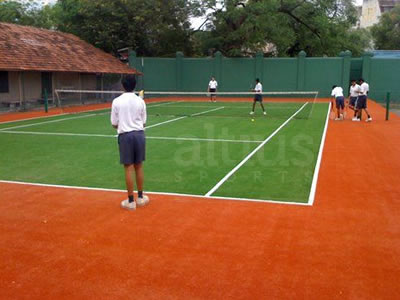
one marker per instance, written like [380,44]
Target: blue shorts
[258,97]
[353,101]
[132,147]
[340,102]
[362,102]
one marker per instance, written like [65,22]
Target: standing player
[353,95]
[258,97]
[362,101]
[212,89]
[128,116]
[337,93]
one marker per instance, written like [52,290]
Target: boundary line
[47,122]
[221,182]
[313,189]
[183,117]
[114,136]
[156,193]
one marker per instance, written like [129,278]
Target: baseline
[155,193]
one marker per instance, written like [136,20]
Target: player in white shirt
[337,93]
[362,101]
[353,96]
[128,116]
[258,97]
[212,89]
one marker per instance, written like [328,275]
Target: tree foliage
[386,34]
[26,13]
[285,27]
[153,27]
[234,27]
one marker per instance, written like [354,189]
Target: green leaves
[386,33]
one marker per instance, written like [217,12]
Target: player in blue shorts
[353,96]
[258,97]
[337,93]
[128,116]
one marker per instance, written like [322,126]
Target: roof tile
[29,48]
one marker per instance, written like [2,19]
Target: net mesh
[227,104]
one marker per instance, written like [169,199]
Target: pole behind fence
[46,101]
[387,105]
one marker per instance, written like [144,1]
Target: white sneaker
[142,201]
[252,112]
[265,113]
[356,119]
[368,120]
[341,117]
[128,205]
[337,119]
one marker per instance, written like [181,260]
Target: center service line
[210,192]
[180,118]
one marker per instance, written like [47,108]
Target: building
[33,60]
[372,9]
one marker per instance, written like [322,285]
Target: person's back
[128,116]
[130,111]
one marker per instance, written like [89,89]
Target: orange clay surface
[72,244]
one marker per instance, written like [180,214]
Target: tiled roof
[24,48]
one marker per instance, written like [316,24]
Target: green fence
[277,74]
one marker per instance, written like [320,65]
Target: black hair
[361,80]
[353,80]
[129,82]
[334,86]
[257,80]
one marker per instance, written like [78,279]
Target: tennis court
[194,147]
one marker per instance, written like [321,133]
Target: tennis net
[221,104]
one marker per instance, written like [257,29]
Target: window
[3,82]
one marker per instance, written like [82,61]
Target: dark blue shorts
[340,102]
[353,101]
[212,92]
[132,147]
[362,102]
[258,97]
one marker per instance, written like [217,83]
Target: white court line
[28,119]
[47,122]
[319,159]
[180,118]
[114,136]
[210,192]
[161,104]
[230,107]
[155,193]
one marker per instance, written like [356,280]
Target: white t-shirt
[364,88]
[337,92]
[128,112]
[354,90]
[212,84]
[258,88]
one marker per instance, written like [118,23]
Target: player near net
[212,89]
[128,116]
[258,97]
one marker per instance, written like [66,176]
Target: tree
[26,13]
[152,27]
[285,27]
[386,34]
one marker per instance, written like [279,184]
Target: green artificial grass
[281,170]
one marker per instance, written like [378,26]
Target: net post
[387,105]
[46,101]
